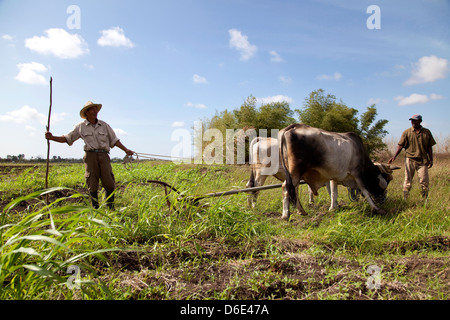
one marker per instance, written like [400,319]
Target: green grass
[158,246]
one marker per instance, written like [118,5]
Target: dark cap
[416,117]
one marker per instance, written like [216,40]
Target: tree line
[20,158]
[320,110]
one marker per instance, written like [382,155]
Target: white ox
[265,162]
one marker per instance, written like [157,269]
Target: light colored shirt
[95,136]
[416,145]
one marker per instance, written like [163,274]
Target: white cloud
[59,43]
[416,98]
[178,124]
[196,105]
[336,76]
[57,117]
[27,115]
[10,39]
[7,37]
[114,37]
[199,79]
[29,73]
[240,42]
[373,101]
[120,132]
[24,115]
[273,99]
[285,80]
[31,130]
[275,57]
[435,96]
[428,69]
[395,71]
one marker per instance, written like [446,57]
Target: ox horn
[394,167]
[384,168]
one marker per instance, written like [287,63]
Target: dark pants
[98,167]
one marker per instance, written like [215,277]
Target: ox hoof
[379,211]
[285,217]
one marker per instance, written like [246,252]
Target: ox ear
[385,169]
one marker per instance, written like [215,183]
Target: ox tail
[289,184]
[251,181]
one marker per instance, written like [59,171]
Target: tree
[372,136]
[248,116]
[274,115]
[323,111]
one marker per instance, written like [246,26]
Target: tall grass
[37,251]
[39,242]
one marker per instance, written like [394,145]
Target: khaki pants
[98,167]
[411,166]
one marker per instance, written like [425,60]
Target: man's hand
[60,139]
[48,135]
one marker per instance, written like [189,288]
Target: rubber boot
[94,199]
[110,200]
[425,194]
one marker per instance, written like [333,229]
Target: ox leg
[259,181]
[298,204]
[332,188]
[311,195]
[286,202]
[286,214]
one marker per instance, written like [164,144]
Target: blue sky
[159,66]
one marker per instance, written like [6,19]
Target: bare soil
[223,271]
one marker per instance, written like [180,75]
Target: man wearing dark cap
[98,139]
[418,143]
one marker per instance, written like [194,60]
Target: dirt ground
[293,275]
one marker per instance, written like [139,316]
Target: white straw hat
[87,106]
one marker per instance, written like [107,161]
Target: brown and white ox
[265,162]
[318,156]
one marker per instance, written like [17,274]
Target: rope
[129,162]
[151,156]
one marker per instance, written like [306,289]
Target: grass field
[155,246]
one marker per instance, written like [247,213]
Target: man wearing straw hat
[98,139]
[418,143]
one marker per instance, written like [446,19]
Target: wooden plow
[352,193]
[195,200]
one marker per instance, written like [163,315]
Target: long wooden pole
[48,141]
[230,192]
